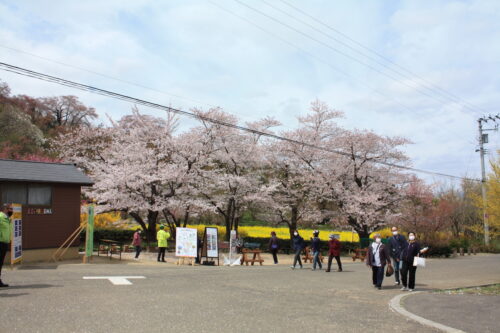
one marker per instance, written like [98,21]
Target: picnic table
[359,254]
[109,247]
[256,256]
[308,255]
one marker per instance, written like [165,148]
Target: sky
[425,70]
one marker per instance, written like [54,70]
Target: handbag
[418,261]
[389,271]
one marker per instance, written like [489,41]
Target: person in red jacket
[136,242]
[334,252]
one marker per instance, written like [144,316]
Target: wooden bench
[256,257]
[109,247]
[359,254]
[308,255]
[223,246]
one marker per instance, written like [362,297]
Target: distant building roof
[29,171]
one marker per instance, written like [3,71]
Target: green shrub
[440,251]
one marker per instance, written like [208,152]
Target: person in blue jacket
[316,248]
[298,245]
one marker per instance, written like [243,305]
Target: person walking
[137,243]
[298,246]
[5,234]
[162,237]
[316,248]
[274,246]
[334,248]
[377,257]
[396,245]
[408,254]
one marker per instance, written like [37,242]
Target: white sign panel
[232,244]
[212,251]
[16,251]
[186,242]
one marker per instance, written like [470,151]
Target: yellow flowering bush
[104,220]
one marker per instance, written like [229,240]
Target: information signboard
[186,242]
[210,249]
[212,242]
[16,250]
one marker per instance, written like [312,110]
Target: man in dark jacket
[396,245]
[316,248]
[334,252]
[298,245]
[377,257]
[274,246]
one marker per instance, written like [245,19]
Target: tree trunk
[292,226]
[360,228]
[151,232]
[229,218]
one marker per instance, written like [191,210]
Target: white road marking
[116,280]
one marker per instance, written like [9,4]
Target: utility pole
[483,138]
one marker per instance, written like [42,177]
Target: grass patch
[493,289]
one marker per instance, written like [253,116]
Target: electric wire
[312,55]
[118,79]
[423,92]
[445,92]
[127,98]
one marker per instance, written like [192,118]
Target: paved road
[469,313]
[204,299]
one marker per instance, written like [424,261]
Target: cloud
[198,51]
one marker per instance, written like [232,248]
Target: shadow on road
[13,295]
[38,267]
[33,286]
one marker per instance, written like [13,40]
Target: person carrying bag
[410,259]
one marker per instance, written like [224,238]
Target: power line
[312,55]
[451,95]
[423,92]
[104,75]
[432,89]
[116,79]
[127,98]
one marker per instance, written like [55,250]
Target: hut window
[14,193]
[39,195]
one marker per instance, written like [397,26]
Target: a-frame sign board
[210,248]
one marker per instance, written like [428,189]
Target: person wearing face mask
[298,245]
[408,254]
[136,242]
[396,245]
[5,234]
[377,257]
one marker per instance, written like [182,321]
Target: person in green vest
[5,233]
[162,237]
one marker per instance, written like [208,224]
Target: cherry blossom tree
[138,166]
[293,168]
[360,180]
[233,177]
